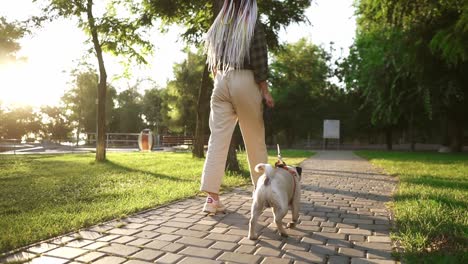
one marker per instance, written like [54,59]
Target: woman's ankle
[215,196]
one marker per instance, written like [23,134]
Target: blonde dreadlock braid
[227,42]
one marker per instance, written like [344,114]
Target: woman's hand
[263,86]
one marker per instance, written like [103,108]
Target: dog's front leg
[254,214]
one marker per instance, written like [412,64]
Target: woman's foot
[213,206]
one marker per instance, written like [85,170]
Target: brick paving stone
[304,256]
[108,238]
[200,252]
[351,252]
[147,234]
[47,260]
[338,260]
[192,233]
[118,249]
[90,257]
[269,252]
[246,249]
[123,231]
[272,260]
[134,261]
[66,252]
[95,245]
[177,224]
[78,243]
[124,239]
[90,235]
[355,231]
[198,242]
[371,261]
[373,246]
[201,227]
[239,258]
[156,244]
[173,247]
[379,239]
[110,260]
[167,237]
[193,260]
[169,258]
[41,248]
[224,237]
[148,254]
[226,246]
[139,242]
[357,238]
[323,249]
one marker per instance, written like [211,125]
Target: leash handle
[280,159]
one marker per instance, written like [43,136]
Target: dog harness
[281,164]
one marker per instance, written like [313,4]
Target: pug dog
[279,187]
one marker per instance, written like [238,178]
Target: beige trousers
[236,97]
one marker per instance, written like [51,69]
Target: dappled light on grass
[43,196]
[431,207]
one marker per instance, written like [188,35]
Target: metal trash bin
[146,140]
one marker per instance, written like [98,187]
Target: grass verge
[43,196]
[431,204]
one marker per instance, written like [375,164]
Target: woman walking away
[237,55]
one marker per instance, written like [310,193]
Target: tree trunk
[411,133]
[203,103]
[203,110]
[232,164]
[389,138]
[102,87]
[455,133]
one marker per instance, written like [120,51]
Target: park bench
[171,141]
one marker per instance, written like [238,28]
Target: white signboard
[331,129]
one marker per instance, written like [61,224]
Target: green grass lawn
[431,204]
[42,196]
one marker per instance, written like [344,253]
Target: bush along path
[343,219]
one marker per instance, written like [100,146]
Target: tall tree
[155,109]
[129,111]
[111,32]
[80,100]
[19,122]
[184,94]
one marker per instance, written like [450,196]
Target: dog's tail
[267,169]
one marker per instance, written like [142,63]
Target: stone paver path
[343,220]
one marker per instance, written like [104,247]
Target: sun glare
[25,84]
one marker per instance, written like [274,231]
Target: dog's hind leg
[295,215]
[279,213]
[255,213]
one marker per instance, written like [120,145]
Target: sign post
[331,130]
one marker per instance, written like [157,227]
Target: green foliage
[408,61]
[18,122]
[303,95]
[430,205]
[183,92]
[155,109]
[197,16]
[55,124]
[80,100]
[128,112]
[10,33]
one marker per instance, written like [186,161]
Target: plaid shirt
[258,55]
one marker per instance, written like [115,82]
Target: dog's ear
[299,170]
